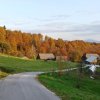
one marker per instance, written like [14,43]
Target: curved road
[24,86]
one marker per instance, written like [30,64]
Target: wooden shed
[63,58]
[46,56]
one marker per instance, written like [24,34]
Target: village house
[95,57]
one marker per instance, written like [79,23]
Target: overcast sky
[67,19]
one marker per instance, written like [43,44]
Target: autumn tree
[75,56]
[4,47]
[2,34]
[19,43]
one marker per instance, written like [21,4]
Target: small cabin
[62,58]
[46,56]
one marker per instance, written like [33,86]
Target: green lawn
[15,65]
[66,86]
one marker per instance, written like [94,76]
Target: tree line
[21,44]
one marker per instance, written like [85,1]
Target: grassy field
[15,65]
[66,86]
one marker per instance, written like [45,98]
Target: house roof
[89,55]
[92,57]
[45,56]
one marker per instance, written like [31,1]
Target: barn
[46,56]
[62,58]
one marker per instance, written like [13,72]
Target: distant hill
[90,40]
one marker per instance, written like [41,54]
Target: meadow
[12,64]
[65,85]
[71,86]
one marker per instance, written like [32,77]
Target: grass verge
[66,86]
[3,74]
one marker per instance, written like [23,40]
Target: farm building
[88,55]
[92,57]
[46,56]
[63,58]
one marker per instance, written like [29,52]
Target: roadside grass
[3,74]
[98,69]
[15,65]
[66,85]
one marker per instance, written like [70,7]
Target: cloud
[23,22]
[86,12]
[19,23]
[57,28]
[70,31]
[53,18]
[61,16]
[90,29]
[70,27]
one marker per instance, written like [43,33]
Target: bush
[3,74]
[8,70]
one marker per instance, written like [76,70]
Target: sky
[66,19]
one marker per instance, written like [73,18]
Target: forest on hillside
[21,44]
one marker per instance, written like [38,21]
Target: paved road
[24,86]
